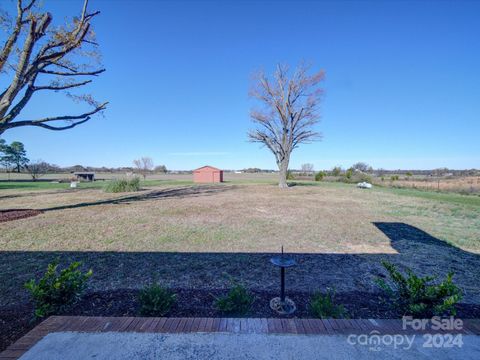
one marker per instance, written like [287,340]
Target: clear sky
[402,86]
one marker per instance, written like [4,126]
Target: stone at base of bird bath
[286,307]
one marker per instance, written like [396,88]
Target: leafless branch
[62,87]
[82,118]
[75,73]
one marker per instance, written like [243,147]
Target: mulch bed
[199,303]
[15,214]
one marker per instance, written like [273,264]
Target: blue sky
[402,86]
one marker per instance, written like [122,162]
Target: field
[196,237]
[458,184]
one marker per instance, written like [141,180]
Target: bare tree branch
[74,73]
[70,118]
[58,128]
[62,87]
[12,39]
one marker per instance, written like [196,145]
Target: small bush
[336,171]
[319,176]
[290,175]
[417,296]
[123,185]
[353,177]
[324,307]
[362,177]
[349,174]
[394,178]
[238,301]
[54,292]
[156,300]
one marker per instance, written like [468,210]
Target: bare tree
[35,51]
[37,169]
[144,166]
[289,112]
[307,169]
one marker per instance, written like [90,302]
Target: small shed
[84,175]
[207,174]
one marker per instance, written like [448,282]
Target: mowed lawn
[329,218]
[192,236]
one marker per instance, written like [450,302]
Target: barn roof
[207,167]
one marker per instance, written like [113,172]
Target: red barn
[207,174]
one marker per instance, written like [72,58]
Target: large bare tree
[288,114]
[39,57]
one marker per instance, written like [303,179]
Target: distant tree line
[362,167]
[13,158]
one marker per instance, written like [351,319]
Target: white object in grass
[364,185]
[73,184]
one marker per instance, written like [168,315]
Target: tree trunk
[282,180]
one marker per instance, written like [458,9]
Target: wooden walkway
[211,325]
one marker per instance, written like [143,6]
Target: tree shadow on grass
[416,249]
[179,192]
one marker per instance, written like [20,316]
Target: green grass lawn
[446,197]
[451,198]
[44,185]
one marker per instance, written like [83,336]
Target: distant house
[84,175]
[207,174]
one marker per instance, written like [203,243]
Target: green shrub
[156,300]
[238,301]
[417,296]
[319,176]
[324,307]
[353,177]
[290,175]
[336,171]
[362,177]
[349,174]
[394,177]
[123,185]
[54,292]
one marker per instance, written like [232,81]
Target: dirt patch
[17,321]
[15,214]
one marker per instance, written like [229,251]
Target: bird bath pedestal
[282,305]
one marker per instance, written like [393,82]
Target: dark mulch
[14,214]
[199,303]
